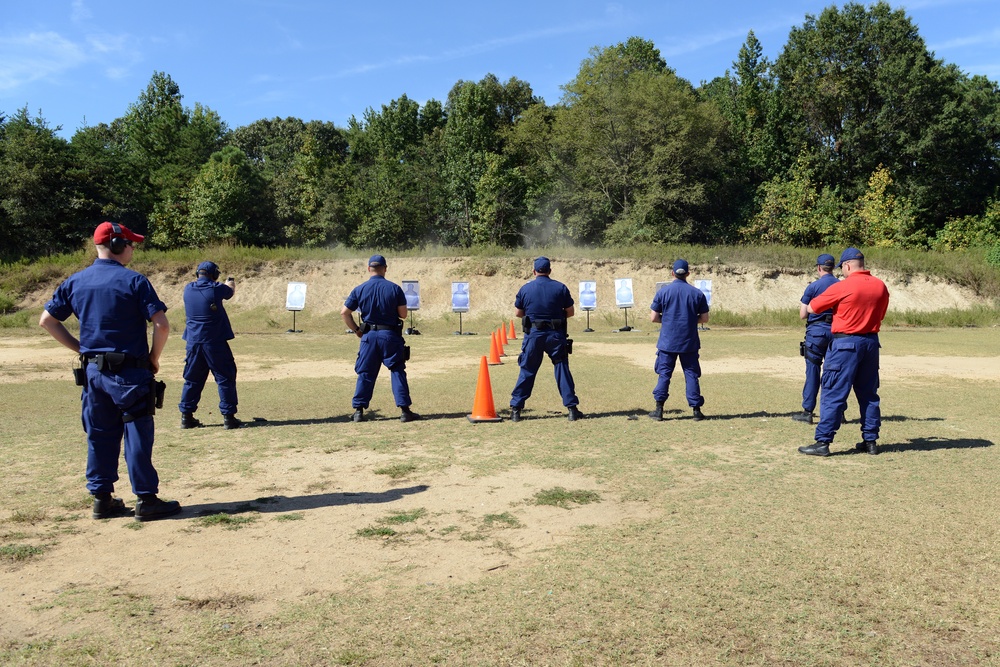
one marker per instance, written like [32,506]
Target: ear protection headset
[211,275]
[118,240]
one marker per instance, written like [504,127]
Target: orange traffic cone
[503,333]
[500,343]
[494,351]
[512,335]
[483,409]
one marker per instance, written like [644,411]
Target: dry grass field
[307,539]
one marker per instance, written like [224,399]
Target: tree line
[855,134]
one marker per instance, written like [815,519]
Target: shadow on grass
[281,504]
[921,445]
[370,416]
[931,444]
[764,414]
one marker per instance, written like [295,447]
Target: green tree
[300,164]
[480,118]
[794,210]
[223,201]
[636,152]
[36,193]
[162,146]
[392,192]
[864,90]
[886,219]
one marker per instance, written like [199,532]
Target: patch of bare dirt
[303,539]
[493,284]
[903,366]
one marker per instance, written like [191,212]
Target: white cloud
[80,12]
[680,47]
[988,38]
[484,46]
[38,56]
[34,56]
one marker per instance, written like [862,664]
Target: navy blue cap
[849,254]
[825,260]
[680,267]
[542,265]
[208,267]
[376,260]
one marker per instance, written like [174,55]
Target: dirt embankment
[493,282]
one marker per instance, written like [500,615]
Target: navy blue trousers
[851,363]
[817,342]
[106,399]
[534,347]
[381,348]
[664,366]
[202,358]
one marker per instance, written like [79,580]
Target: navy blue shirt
[813,290]
[112,303]
[544,299]
[378,300]
[205,324]
[679,306]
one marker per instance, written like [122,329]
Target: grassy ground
[751,554]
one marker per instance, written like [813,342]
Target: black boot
[106,507]
[359,415]
[150,508]
[574,413]
[869,446]
[805,417]
[230,422]
[657,414]
[816,449]
[407,415]
[188,420]
[697,415]
[515,414]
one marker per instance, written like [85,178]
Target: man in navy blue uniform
[818,336]
[113,305]
[679,308]
[208,333]
[544,306]
[383,309]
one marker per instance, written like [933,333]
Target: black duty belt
[115,361]
[547,324]
[862,335]
[382,327]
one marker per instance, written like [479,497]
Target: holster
[406,353]
[80,373]
[802,348]
[569,346]
[160,390]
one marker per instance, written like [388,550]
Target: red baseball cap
[106,231]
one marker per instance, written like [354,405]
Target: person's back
[207,319]
[544,299]
[679,305]
[378,301]
[106,298]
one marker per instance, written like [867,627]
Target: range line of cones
[483,407]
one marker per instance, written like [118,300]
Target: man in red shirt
[859,303]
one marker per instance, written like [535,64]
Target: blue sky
[82,62]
